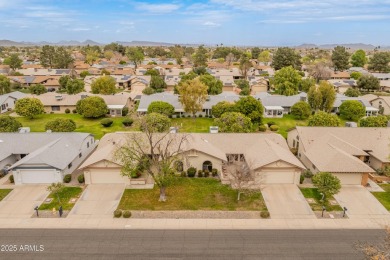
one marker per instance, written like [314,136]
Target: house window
[3,107]
[55,108]
[69,165]
[207,165]
[80,155]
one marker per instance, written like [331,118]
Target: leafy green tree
[314,98]
[9,124]
[222,107]
[200,57]
[255,52]
[105,72]
[352,110]
[161,107]
[108,54]
[252,108]
[356,75]
[286,81]
[323,119]
[155,122]
[157,83]
[37,89]
[61,125]
[135,55]
[5,85]
[340,58]
[74,86]
[264,56]
[284,57]
[152,72]
[359,59]
[301,110]
[233,122]
[352,92]
[62,59]
[92,107]
[84,73]
[322,97]
[327,184]
[213,84]
[63,81]
[374,121]
[29,107]
[243,84]
[193,94]
[368,83]
[13,61]
[148,91]
[379,62]
[306,84]
[47,56]
[104,85]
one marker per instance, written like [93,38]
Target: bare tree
[320,71]
[241,175]
[230,59]
[154,152]
[380,251]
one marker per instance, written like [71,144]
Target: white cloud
[157,8]
[211,24]
[79,29]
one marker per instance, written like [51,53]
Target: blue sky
[231,22]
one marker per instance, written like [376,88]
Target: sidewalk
[200,224]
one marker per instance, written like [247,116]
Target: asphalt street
[183,244]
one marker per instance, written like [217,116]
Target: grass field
[317,206]
[192,194]
[4,193]
[383,197]
[65,195]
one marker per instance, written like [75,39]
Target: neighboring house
[130,82]
[267,154]
[258,84]
[277,105]
[358,69]
[173,99]
[50,82]
[7,101]
[342,85]
[44,72]
[340,75]
[349,153]
[370,110]
[59,103]
[382,103]
[37,158]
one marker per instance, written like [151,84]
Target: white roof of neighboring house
[15,95]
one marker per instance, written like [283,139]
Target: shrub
[67,111]
[74,111]
[206,173]
[183,174]
[81,178]
[274,128]
[307,174]
[200,173]
[264,214]
[92,107]
[301,110]
[9,124]
[11,179]
[106,122]
[271,123]
[117,213]
[262,128]
[352,110]
[67,178]
[127,121]
[127,214]
[191,172]
[161,107]
[214,172]
[200,115]
[301,179]
[125,111]
[61,125]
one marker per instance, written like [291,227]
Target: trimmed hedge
[106,122]
[81,178]
[117,213]
[274,128]
[127,122]
[67,178]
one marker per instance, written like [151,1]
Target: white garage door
[107,176]
[278,178]
[349,178]
[38,176]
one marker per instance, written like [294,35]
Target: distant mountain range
[352,46]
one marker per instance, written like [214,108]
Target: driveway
[285,201]
[98,200]
[21,201]
[360,203]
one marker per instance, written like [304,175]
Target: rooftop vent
[59,97]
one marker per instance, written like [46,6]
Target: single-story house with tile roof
[267,154]
[37,158]
[44,72]
[258,84]
[349,153]
[59,103]
[7,101]
[173,99]
[341,85]
[340,75]
[382,103]
[278,105]
[129,82]
[370,110]
[50,82]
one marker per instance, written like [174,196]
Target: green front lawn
[285,123]
[65,195]
[192,194]
[317,206]
[383,197]
[190,125]
[4,193]
[86,125]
